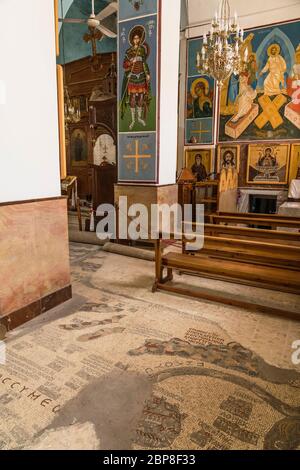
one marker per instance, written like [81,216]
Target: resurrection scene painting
[263,102]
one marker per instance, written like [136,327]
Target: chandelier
[72,108]
[222,52]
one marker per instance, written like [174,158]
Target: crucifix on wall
[93,36]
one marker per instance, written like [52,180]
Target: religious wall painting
[200,95]
[228,157]
[136,8]
[137,97]
[268,164]
[200,98]
[263,102]
[138,75]
[137,158]
[200,162]
[294,172]
[79,147]
[193,47]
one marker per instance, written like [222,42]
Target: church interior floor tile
[118,367]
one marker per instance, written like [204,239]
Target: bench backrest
[272,236]
[256,215]
[258,220]
[254,251]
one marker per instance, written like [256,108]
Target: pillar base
[146,195]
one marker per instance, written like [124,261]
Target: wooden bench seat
[268,259]
[281,279]
[248,262]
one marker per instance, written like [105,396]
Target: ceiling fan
[95,21]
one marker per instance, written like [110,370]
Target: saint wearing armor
[136,88]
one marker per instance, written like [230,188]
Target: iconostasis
[253,123]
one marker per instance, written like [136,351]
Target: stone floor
[118,367]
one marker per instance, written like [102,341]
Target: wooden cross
[201,131]
[94,36]
[270,111]
[137,156]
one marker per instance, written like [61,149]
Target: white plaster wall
[29,145]
[251,13]
[170,41]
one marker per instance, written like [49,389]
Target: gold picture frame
[61,122]
[207,160]
[294,162]
[268,164]
[229,156]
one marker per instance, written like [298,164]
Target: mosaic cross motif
[200,130]
[137,156]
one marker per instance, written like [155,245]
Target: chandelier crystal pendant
[222,52]
[72,108]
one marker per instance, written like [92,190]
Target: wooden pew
[249,263]
[247,233]
[274,221]
[255,215]
[280,279]
[250,251]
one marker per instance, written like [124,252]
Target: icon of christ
[275,67]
